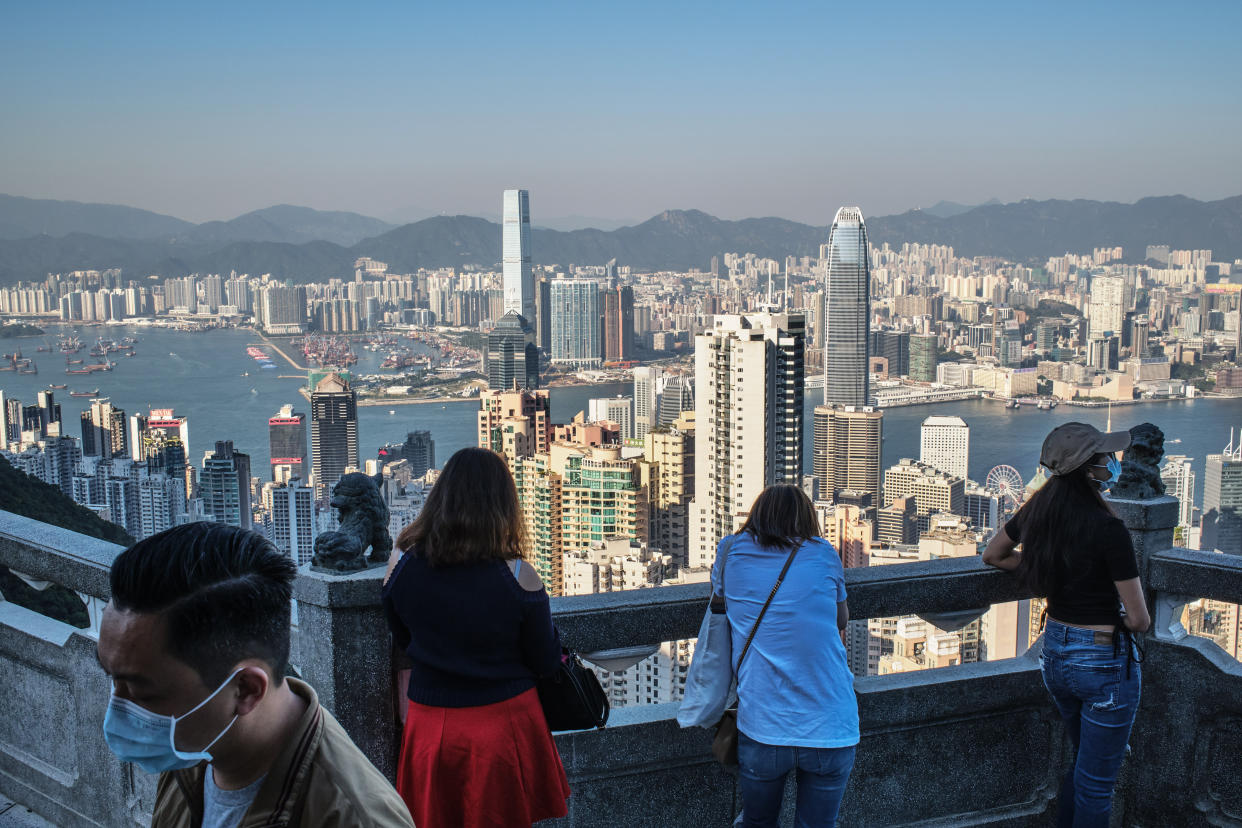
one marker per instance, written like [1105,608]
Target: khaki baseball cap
[1072,444]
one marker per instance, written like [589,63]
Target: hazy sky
[617,110]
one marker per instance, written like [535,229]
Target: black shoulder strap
[766,604]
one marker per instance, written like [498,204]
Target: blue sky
[617,110]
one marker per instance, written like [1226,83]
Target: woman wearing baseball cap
[1078,553]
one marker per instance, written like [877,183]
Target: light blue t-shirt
[794,687]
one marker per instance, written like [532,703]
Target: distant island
[19,329]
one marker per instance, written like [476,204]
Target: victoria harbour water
[208,377]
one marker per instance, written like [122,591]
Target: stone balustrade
[975,744]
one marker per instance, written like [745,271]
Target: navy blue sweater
[474,634]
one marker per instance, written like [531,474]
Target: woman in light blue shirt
[796,704]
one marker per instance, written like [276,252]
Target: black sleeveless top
[1083,591]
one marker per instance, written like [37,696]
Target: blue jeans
[1096,689]
[822,774]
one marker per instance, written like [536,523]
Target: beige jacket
[320,780]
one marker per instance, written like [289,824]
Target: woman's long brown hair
[782,515]
[471,515]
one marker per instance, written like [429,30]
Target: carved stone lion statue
[364,523]
[1140,465]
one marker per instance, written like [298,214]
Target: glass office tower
[847,337]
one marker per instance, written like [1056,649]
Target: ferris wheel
[1005,483]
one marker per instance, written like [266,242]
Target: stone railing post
[343,649]
[1151,523]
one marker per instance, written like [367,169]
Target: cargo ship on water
[94,393]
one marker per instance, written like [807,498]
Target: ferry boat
[94,393]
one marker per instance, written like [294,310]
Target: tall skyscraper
[515,424]
[1106,310]
[945,443]
[334,432]
[293,520]
[619,410]
[576,318]
[669,474]
[512,357]
[1222,502]
[103,430]
[848,312]
[749,373]
[618,323]
[286,438]
[49,414]
[282,309]
[676,395]
[646,399]
[1179,481]
[224,485]
[161,439]
[846,454]
[923,357]
[519,279]
[419,450]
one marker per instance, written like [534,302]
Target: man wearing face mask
[196,640]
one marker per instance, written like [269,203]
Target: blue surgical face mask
[1114,473]
[147,739]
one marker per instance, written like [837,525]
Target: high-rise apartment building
[515,424]
[292,516]
[286,436]
[576,318]
[334,432]
[944,442]
[748,419]
[848,312]
[933,490]
[224,485]
[282,309]
[103,430]
[668,455]
[618,323]
[518,275]
[511,359]
[846,449]
[647,381]
[1222,502]
[1106,312]
[619,410]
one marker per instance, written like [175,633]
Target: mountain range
[41,236]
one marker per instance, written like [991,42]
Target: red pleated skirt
[494,765]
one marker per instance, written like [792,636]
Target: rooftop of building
[987,728]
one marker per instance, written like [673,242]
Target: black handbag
[572,698]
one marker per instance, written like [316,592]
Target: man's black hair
[224,594]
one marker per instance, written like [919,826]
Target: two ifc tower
[513,357]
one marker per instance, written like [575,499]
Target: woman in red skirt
[475,622]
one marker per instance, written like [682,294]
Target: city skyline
[242,116]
